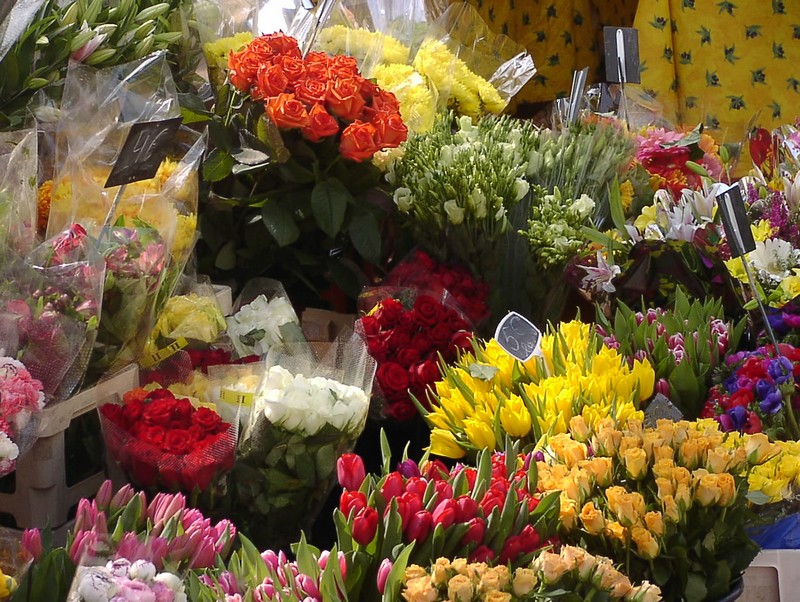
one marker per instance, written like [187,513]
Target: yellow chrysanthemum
[362,43]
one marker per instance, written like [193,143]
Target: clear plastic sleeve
[18,191]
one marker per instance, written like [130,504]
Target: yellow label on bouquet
[162,354]
[237,397]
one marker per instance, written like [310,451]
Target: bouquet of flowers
[18,198]
[21,398]
[408,332]
[305,414]
[124,580]
[263,318]
[551,574]
[667,504]
[683,344]
[420,270]
[97,35]
[14,561]
[163,442]
[308,128]
[51,300]
[759,393]
[490,514]
[136,257]
[487,397]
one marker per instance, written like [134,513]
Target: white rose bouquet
[305,413]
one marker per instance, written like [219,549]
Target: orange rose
[287,112]
[275,44]
[344,99]
[320,124]
[385,102]
[391,130]
[293,68]
[358,141]
[271,82]
[311,91]
[344,66]
[243,67]
[317,65]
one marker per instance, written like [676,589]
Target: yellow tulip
[443,443]
[515,418]
[480,434]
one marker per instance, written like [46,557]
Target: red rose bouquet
[164,442]
[294,138]
[420,270]
[407,332]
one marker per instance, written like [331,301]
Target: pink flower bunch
[287,582]
[20,397]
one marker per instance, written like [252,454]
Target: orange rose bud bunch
[319,95]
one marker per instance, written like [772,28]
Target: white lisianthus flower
[256,327]
[446,156]
[583,206]
[455,214]
[521,188]
[404,199]
[478,200]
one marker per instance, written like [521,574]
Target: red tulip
[466,509]
[475,532]
[482,554]
[444,489]
[419,526]
[350,470]
[365,525]
[412,502]
[417,486]
[352,502]
[436,470]
[445,513]
[529,539]
[512,549]
[392,487]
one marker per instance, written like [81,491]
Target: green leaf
[280,224]
[344,277]
[365,234]
[329,201]
[386,453]
[396,576]
[251,156]
[217,165]
[617,213]
[483,371]
[226,257]
[695,588]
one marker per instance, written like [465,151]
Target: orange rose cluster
[318,95]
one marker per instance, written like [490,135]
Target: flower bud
[350,471]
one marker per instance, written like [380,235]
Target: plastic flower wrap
[51,308]
[21,398]
[778,479]
[648,498]
[98,109]
[758,392]
[232,389]
[571,569]
[223,27]
[489,514]
[14,562]
[263,318]
[684,345]
[164,442]
[124,580]
[408,332]
[305,414]
[488,396]
[136,258]
[18,193]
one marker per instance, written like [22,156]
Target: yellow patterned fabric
[722,63]
[561,35]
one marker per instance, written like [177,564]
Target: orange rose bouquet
[293,141]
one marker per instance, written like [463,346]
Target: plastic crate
[773,576]
[41,494]
[224,296]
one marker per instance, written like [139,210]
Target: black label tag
[145,148]
[518,336]
[735,222]
[622,54]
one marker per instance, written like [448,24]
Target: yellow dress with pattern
[561,35]
[724,63]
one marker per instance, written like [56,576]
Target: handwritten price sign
[518,336]
[145,148]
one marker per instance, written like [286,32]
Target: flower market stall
[293,308]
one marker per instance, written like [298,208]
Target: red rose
[160,393]
[422,343]
[440,334]
[115,413]
[397,339]
[402,411]
[321,124]
[370,325]
[390,128]
[133,411]
[462,340]
[388,313]
[271,82]
[344,99]
[378,349]
[392,377]
[359,142]
[427,310]
[317,64]
[141,463]
[154,435]
[208,420]
[407,356]
[426,373]
[182,409]
[158,412]
[177,441]
[286,112]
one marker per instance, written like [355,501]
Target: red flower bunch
[164,441]
[498,520]
[406,343]
[317,95]
[422,271]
